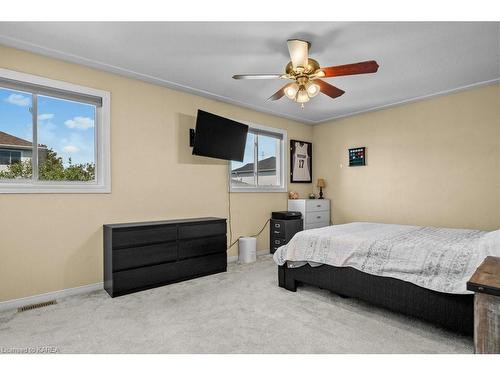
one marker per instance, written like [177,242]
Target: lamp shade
[321,183]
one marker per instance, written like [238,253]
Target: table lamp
[321,184]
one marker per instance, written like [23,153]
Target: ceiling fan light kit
[291,91]
[302,97]
[306,73]
[312,89]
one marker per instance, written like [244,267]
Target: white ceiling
[417,59]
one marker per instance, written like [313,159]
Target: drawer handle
[318,205]
[318,217]
[277,242]
[277,232]
[277,225]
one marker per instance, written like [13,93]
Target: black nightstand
[282,231]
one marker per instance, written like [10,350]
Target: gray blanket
[439,259]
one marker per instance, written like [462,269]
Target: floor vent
[36,305]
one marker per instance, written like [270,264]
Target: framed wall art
[357,156]
[300,161]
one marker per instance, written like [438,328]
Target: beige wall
[50,242]
[433,162]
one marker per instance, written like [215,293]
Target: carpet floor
[240,311]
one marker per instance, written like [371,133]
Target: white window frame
[282,151]
[102,184]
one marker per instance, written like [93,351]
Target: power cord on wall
[231,243]
[255,235]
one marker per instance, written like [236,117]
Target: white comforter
[440,259]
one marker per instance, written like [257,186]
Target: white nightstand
[315,212]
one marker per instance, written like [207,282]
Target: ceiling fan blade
[257,76]
[330,90]
[350,69]
[280,93]
[299,52]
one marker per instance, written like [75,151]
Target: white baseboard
[235,257]
[15,303]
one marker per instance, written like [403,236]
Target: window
[8,157]
[54,136]
[263,164]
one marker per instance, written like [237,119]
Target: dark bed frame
[452,311]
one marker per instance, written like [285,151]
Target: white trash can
[247,249]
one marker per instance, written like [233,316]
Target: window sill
[258,190]
[51,188]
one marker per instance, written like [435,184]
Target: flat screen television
[219,137]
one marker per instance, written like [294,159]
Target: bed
[418,271]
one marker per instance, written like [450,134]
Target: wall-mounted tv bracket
[191,137]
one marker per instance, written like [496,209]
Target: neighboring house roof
[268,164]
[13,141]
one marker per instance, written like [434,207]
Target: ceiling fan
[306,74]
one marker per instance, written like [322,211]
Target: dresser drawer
[318,217]
[133,257]
[143,235]
[273,249]
[202,246]
[201,230]
[277,242]
[316,225]
[278,228]
[317,205]
[141,278]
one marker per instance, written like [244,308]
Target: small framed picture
[357,156]
[300,161]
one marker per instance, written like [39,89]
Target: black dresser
[139,256]
[282,231]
